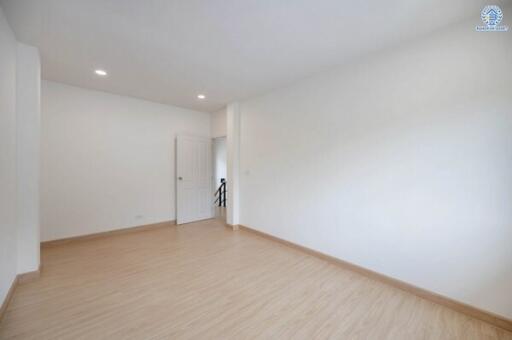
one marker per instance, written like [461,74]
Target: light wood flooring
[205,281]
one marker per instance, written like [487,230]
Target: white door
[193,179]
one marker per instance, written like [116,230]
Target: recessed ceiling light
[201,96]
[101,72]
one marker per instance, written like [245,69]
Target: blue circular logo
[492,15]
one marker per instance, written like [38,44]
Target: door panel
[194,189]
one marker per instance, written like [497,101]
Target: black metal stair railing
[220,194]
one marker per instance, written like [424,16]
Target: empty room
[255,169]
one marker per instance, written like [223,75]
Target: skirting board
[19,279]
[30,276]
[234,226]
[8,298]
[107,233]
[489,317]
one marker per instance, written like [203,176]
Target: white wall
[107,160]
[219,124]
[233,164]
[28,107]
[8,236]
[219,158]
[400,163]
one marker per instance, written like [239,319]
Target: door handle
[180,178]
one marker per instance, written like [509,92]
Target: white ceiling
[168,51]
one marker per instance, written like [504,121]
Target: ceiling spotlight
[101,72]
[201,96]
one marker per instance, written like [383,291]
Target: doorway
[219,146]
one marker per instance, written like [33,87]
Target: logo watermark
[492,16]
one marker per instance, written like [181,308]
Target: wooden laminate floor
[204,281]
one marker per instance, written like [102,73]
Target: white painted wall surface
[219,159]
[233,164]
[8,237]
[400,162]
[28,109]
[108,161]
[219,123]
